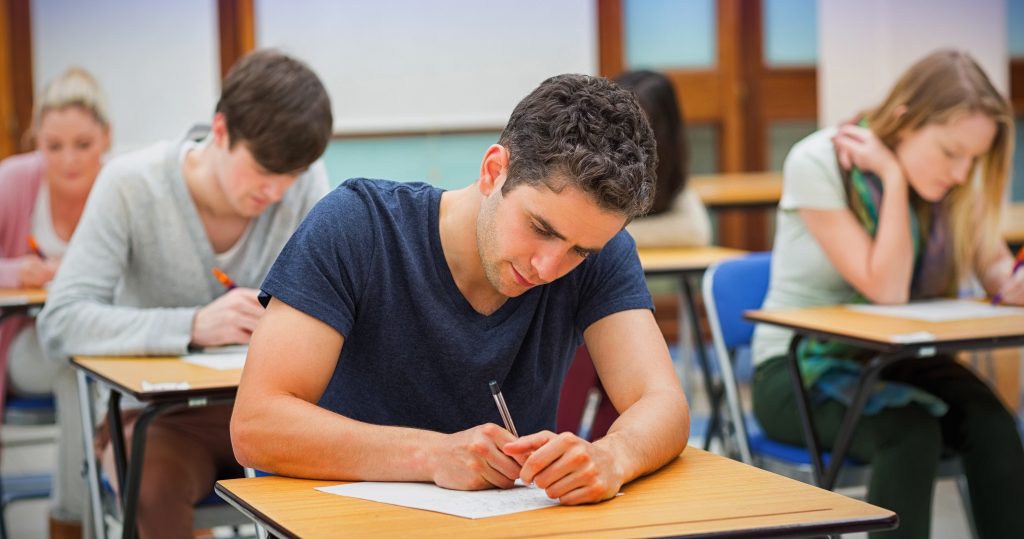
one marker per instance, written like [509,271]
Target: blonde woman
[42,195]
[901,204]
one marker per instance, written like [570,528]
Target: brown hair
[586,132]
[658,100]
[279,109]
[940,87]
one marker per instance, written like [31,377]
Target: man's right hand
[229,319]
[34,272]
[473,460]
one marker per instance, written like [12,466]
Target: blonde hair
[73,88]
[939,88]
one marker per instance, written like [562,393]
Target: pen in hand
[1018,263]
[502,408]
[34,247]
[223,278]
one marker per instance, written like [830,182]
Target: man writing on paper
[137,278]
[395,304]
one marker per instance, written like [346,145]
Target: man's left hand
[567,467]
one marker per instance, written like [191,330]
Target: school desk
[892,339]
[738,190]
[685,263]
[162,384]
[698,494]
[15,301]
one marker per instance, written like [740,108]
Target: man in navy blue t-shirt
[394,304]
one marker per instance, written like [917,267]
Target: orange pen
[223,278]
[35,247]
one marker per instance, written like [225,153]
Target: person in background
[677,217]
[901,204]
[42,195]
[138,278]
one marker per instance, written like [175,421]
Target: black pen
[502,408]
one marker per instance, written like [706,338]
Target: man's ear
[493,169]
[219,130]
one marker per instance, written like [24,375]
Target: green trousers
[904,445]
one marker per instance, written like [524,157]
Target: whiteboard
[423,65]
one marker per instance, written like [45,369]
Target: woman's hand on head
[859,147]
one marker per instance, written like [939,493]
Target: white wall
[157,61]
[865,45]
[419,65]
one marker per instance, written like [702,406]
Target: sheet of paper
[222,358]
[467,504]
[940,310]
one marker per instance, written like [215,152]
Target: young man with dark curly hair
[395,304]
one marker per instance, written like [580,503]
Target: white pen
[502,408]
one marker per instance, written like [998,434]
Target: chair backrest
[738,285]
[731,287]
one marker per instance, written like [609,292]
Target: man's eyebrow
[548,229]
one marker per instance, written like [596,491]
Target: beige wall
[864,45]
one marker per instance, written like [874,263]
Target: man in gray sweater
[137,278]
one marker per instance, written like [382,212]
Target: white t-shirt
[802,275]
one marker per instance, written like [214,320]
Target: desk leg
[827,478]
[91,464]
[116,428]
[803,406]
[853,413]
[713,391]
[130,488]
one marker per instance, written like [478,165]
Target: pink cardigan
[20,179]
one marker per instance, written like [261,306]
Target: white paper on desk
[940,310]
[461,503]
[222,358]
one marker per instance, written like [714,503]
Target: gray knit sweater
[138,266]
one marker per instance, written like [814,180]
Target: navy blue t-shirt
[368,262]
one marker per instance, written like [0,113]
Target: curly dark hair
[278,107]
[586,132]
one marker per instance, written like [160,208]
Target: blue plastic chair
[730,288]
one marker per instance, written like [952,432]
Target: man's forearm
[288,436]
[650,433]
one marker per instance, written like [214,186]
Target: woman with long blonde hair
[902,203]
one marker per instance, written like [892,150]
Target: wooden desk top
[22,297]
[127,374]
[1013,224]
[738,189]
[887,333]
[699,494]
[684,259]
